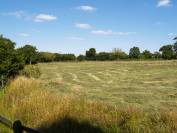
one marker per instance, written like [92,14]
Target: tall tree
[167,52]
[118,54]
[91,54]
[10,60]
[134,53]
[175,44]
[30,54]
[157,55]
[146,54]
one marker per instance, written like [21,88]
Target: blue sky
[73,26]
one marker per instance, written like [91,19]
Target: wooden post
[17,127]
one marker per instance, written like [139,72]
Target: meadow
[147,84]
[94,97]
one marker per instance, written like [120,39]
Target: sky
[73,26]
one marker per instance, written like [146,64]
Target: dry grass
[144,84]
[24,99]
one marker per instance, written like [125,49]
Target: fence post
[17,127]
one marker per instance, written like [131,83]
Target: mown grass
[25,99]
[143,84]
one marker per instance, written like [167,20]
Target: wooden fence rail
[16,126]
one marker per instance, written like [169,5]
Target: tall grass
[31,71]
[24,99]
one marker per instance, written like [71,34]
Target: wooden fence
[16,126]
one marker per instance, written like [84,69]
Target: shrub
[81,58]
[31,71]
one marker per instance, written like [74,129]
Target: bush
[31,71]
[103,56]
[81,58]
[46,57]
[11,62]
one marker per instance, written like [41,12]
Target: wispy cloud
[76,38]
[18,14]
[36,30]
[15,14]
[44,17]
[171,35]
[164,3]
[32,17]
[86,8]
[83,26]
[110,32]
[23,34]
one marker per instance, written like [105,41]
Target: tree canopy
[30,54]
[134,53]
[10,60]
[167,51]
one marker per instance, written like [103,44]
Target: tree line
[12,59]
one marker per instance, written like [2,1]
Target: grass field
[147,84]
[95,97]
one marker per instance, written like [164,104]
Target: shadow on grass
[70,125]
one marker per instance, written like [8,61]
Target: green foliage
[81,58]
[146,54]
[68,57]
[134,53]
[30,54]
[91,54]
[119,54]
[57,57]
[156,55]
[103,56]
[31,71]
[46,57]
[10,60]
[167,52]
[175,45]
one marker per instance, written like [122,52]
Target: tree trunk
[30,62]
[2,81]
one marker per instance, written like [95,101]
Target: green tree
[81,58]
[46,57]
[91,54]
[10,60]
[30,54]
[156,55]
[68,57]
[118,54]
[134,53]
[146,54]
[175,47]
[167,52]
[57,57]
[103,56]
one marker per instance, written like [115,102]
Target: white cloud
[171,35]
[83,26]
[110,32]
[32,17]
[44,17]
[86,8]
[76,38]
[36,30]
[24,35]
[164,3]
[15,14]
